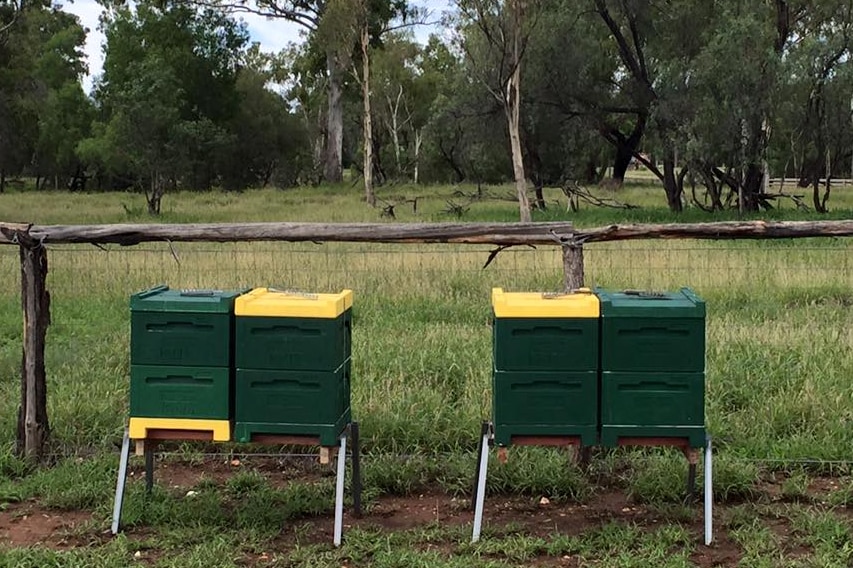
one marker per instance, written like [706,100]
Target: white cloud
[272,34]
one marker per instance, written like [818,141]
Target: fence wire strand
[380,275]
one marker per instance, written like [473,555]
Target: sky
[273,35]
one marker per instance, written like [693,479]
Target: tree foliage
[713,97]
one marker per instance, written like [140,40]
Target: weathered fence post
[33,424]
[573,277]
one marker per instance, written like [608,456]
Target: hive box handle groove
[649,386]
[289,329]
[551,385]
[551,330]
[286,383]
[178,380]
[655,330]
[177,326]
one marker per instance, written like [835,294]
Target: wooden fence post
[573,277]
[33,427]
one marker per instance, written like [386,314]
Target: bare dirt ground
[28,524]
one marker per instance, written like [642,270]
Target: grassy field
[779,397]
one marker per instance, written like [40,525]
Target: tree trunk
[158,188]
[418,140]
[591,173]
[624,153]
[369,196]
[517,162]
[820,204]
[378,170]
[512,105]
[670,184]
[449,156]
[332,164]
[394,112]
[626,148]
[751,188]
[33,426]
[317,150]
[534,169]
[2,181]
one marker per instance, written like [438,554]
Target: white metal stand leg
[339,492]
[120,483]
[481,487]
[709,493]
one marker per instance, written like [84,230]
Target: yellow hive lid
[579,304]
[271,302]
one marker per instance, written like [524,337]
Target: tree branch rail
[414,233]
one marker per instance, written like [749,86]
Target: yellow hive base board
[139,427]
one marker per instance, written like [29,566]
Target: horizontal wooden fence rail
[33,426]
[501,234]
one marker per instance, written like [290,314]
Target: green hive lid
[163,299]
[639,303]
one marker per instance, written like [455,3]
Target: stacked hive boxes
[604,367]
[181,364]
[652,366]
[293,365]
[545,380]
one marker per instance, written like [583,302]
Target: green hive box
[546,344]
[652,366]
[304,403]
[185,328]
[311,344]
[180,392]
[652,405]
[644,331]
[545,380]
[293,365]
[545,404]
[291,331]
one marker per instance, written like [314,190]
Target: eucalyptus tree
[406,80]
[788,54]
[43,111]
[816,84]
[369,21]
[334,27]
[494,35]
[600,68]
[167,92]
[269,143]
[462,122]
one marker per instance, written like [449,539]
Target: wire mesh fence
[87,271]
[425,306]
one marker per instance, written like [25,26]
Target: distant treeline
[712,96]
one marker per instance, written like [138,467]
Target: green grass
[779,363]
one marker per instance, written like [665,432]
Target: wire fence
[91,285]
[87,271]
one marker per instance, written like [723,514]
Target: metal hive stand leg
[484,430]
[339,491]
[120,482]
[709,493]
[480,491]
